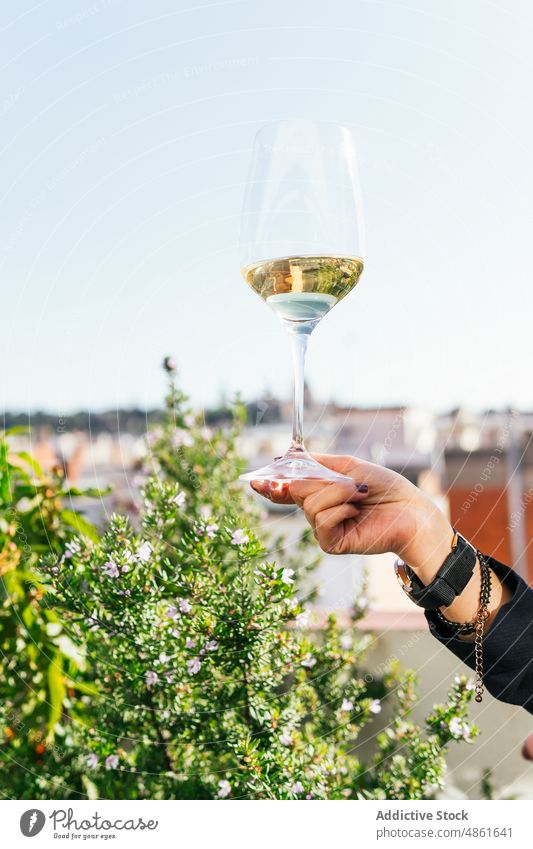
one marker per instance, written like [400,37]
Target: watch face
[400,569]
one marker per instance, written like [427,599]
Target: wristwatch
[449,582]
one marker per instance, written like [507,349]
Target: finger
[276,491]
[331,526]
[300,490]
[333,492]
[332,496]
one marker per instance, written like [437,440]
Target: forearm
[507,665]
[508,645]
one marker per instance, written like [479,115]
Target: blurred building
[477,466]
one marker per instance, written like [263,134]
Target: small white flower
[375,706]
[286,576]
[72,547]
[302,619]
[211,530]
[470,685]
[346,642]
[151,678]
[111,762]
[180,500]
[92,761]
[189,420]
[190,644]
[456,727]
[466,731]
[347,705]
[211,645]
[309,661]
[286,739]
[205,511]
[184,606]
[224,789]
[111,569]
[164,658]
[194,666]
[292,602]
[144,552]
[297,788]
[239,537]
[182,438]
[154,435]
[171,612]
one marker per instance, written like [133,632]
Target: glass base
[295,465]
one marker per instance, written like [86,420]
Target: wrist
[429,543]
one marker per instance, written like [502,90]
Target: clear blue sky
[126,129]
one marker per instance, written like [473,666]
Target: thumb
[343,463]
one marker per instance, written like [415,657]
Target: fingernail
[362,487]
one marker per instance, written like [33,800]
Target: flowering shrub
[39,665]
[202,678]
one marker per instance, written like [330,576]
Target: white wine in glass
[300,250]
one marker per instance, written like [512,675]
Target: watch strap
[450,580]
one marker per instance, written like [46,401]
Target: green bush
[193,672]
[41,669]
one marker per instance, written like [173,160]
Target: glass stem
[298,336]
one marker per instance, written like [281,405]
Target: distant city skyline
[127,135]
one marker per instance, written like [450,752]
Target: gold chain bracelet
[477,626]
[481,618]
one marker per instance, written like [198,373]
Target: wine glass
[300,250]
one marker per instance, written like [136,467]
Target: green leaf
[5,489]
[90,787]
[25,490]
[84,687]
[79,523]
[56,692]
[90,492]
[12,431]
[27,458]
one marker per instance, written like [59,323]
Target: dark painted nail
[362,487]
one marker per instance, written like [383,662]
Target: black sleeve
[508,646]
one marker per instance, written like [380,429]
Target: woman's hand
[380,512]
